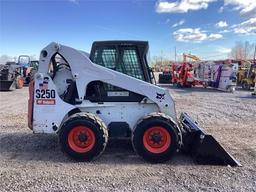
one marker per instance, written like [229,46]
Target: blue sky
[208,28]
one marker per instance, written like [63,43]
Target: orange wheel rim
[157,139]
[81,139]
[20,82]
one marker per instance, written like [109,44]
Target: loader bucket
[202,146]
[6,85]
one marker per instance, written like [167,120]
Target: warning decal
[45,101]
[45,96]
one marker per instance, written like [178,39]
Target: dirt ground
[30,162]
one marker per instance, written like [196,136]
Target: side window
[106,57]
[124,59]
[132,64]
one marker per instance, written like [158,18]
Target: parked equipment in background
[87,100]
[27,68]
[220,75]
[16,75]
[10,77]
[243,68]
[248,81]
[254,91]
[193,57]
[183,73]
[30,71]
[180,73]
[166,76]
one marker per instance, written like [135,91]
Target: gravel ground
[30,162]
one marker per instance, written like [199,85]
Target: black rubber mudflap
[202,146]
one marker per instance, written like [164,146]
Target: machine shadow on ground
[249,96]
[191,90]
[44,147]
[199,89]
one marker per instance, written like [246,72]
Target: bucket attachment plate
[202,146]
[6,85]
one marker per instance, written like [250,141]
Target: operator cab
[127,57]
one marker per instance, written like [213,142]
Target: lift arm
[84,71]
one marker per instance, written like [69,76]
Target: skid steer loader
[10,77]
[87,98]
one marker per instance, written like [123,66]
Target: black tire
[91,122]
[143,127]
[179,85]
[231,89]
[188,86]
[246,86]
[205,85]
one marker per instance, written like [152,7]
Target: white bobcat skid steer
[86,103]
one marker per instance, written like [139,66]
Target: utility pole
[175,54]
[255,53]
